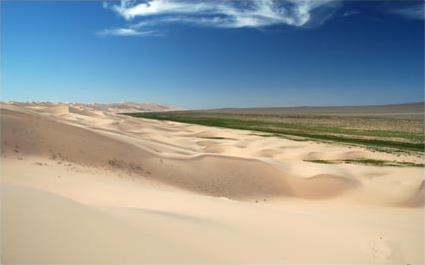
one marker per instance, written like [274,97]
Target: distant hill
[407,110]
[110,107]
[132,107]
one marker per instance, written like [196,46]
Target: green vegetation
[321,161]
[371,162]
[377,133]
[216,138]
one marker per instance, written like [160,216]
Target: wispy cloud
[350,13]
[124,32]
[219,13]
[409,10]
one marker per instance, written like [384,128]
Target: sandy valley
[87,185]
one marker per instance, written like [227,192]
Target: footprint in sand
[384,250]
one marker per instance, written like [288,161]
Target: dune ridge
[210,174]
[26,134]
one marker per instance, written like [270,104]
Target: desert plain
[81,184]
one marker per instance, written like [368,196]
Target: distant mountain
[111,107]
[132,107]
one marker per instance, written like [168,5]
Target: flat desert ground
[81,185]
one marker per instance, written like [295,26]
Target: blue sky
[206,54]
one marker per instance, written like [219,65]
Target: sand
[80,185]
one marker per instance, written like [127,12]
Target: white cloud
[350,13]
[124,32]
[415,11]
[217,13]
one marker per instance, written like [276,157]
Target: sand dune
[187,193]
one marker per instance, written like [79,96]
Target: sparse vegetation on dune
[366,161]
[378,133]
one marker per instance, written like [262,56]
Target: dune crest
[236,173]
[25,134]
